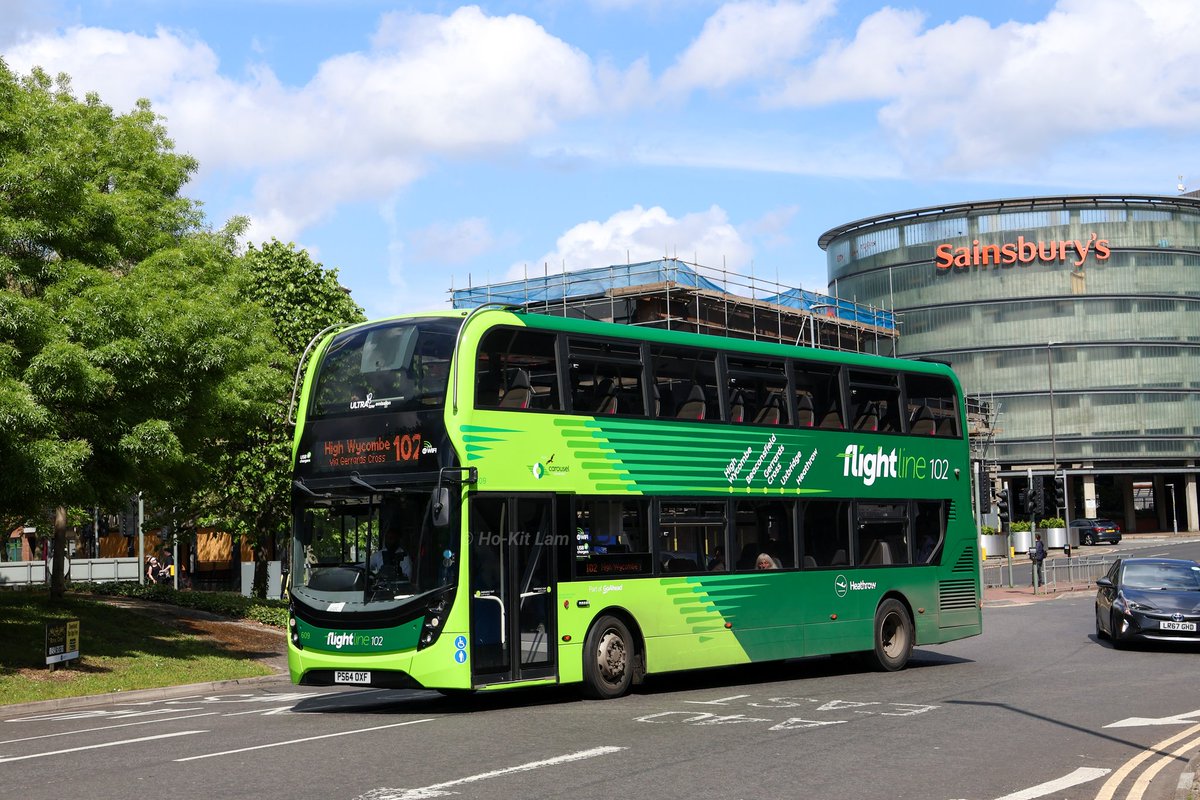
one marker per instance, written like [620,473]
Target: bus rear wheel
[893,635]
[608,659]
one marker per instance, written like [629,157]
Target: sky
[419,146]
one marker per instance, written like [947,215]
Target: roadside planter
[1055,537]
[994,544]
[1054,532]
[1021,539]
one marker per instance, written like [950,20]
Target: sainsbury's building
[1077,317]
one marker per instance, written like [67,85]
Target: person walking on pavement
[1038,554]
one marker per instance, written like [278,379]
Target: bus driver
[391,557]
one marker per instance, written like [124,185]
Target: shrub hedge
[226,604]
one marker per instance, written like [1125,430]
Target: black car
[1149,599]
[1095,531]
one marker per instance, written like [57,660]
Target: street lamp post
[1174,521]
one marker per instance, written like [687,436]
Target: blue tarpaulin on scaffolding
[596,281]
[833,307]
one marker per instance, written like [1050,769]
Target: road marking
[1110,786]
[305,739]
[1143,781]
[436,790]
[722,701]
[1079,776]
[263,711]
[1137,722]
[107,727]
[97,746]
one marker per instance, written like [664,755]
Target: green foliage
[1019,526]
[300,298]
[139,351]
[987,530]
[1052,522]
[226,604]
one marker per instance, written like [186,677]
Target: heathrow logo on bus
[859,462]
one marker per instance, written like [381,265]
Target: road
[1035,707]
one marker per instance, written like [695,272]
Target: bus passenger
[765,561]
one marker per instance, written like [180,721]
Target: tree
[127,350]
[301,298]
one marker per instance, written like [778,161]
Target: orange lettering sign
[1022,252]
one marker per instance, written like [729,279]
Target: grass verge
[119,651]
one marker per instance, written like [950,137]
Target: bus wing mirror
[441,507]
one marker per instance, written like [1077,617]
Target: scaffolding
[677,295]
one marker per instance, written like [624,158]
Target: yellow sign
[62,641]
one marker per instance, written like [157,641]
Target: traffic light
[1002,506]
[1025,502]
[1038,502]
[984,495]
[1060,492]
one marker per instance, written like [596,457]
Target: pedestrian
[1038,554]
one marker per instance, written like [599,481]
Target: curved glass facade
[1092,301]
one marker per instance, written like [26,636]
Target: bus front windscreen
[400,365]
[371,552]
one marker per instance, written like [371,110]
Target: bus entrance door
[512,589]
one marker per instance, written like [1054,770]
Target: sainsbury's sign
[1023,252]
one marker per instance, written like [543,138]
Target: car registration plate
[1177,626]
[352,676]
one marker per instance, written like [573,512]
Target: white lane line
[1079,776]
[275,710]
[97,746]
[108,727]
[1143,781]
[436,790]
[1110,786]
[305,739]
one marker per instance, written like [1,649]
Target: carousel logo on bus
[841,585]
[540,468]
[859,463]
[370,402]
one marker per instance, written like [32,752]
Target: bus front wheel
[893,635]
[608,659]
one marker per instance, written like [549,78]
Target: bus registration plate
[351,676]
[1177,626]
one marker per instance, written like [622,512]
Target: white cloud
[120,67]
[364,126]
[966,94]
[747,40]
[645,234]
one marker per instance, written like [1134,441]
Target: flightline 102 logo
[857,462]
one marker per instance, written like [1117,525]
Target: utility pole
[141,541]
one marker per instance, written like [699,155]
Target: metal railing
[98,570]
[1076,572]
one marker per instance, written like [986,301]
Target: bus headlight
[435,615]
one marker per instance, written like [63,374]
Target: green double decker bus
[493,499]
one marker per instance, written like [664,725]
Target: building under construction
[676,295]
